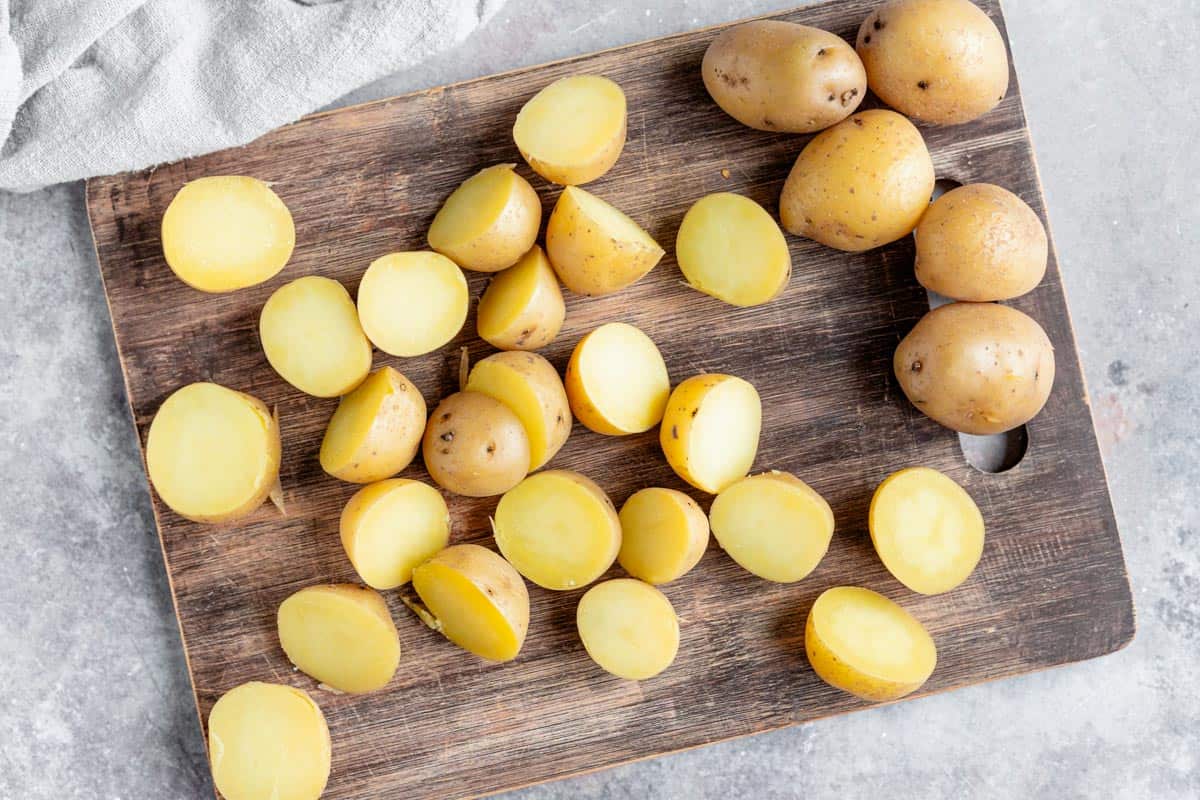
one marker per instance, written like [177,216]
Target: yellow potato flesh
[390,527]
[559,529]
[376,430]
[774,525]
[710,430]
[311,335]
[573,130]
[341,635]
[412,303]
[664,533]
[629,628]
[212,454]
[522,308]
[594,248]
[268,742]
[729,247]
[927,530]
[489,221]
[529,385]
[863,643]
[617,380]
[227,232]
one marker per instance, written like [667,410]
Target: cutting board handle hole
[996,453]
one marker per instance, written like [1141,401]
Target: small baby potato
[227,232]
[978,368]
[926,529]
[559,529]
[212,454]
[863,643]
[594,248]
[982,243]
[780,76]
[341,635]
[268,742]
[475,445]
[940,61]
[522,308]
[774,525]
[412,303]
[390,527]
[664,533]
[629,628]
[488,222]
[710,430]
[729,247]
[376,429]
[310,333]
[617,380]
[478,601]
[573,130]
[863,183]
[529,385]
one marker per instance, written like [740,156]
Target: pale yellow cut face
[617,380]
[412,303]
[390,527]
[710,430]
[927,530]
[376,430]
[341,635]
[729,247]
[629,628]
[664,533]
[573,130]
[559,529]
[227,232]
[268,742]
[594,248]
[522,308]
[310,333]
[212,454]
[489,222]
[529,385]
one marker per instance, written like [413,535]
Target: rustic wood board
[367,180]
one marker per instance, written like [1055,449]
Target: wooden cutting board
[367,180]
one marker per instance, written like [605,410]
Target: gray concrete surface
[94,701]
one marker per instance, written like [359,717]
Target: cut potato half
[729,247]
[412,303]
[573,130]
[529,385]
[489,221]
[594,248]
[390,527]
[710,430]
[629,628]
[664,533]
[617,380]
[522,308]
[376,429]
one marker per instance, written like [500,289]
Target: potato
[559,529]
[227,232]
[412,303]
[664,533]
[861,184]
[780,76]
[522,308]
[390,527]
[862,643]
[529,385]
[940,61]
[573,130]
[617,380]
[488,222]
[475,445]
[311,336]
[977,368]
[376,429]
[729,247]
[710,430]
[629,628]
[774,525]
[268,742]
[980,242]
[477,600]
[926,529]
[594,248]
[212,454]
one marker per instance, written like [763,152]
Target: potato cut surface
[390,527]
[594,248]
[729,247]
[376,430]
[522,308]
[489,221]
[529,385]
[710,430]
[573,130]
[412,303]
[476,446]
[664,533]
[617,380]
[629,628]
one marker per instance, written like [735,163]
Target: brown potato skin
[780,76]
[978,368]
[475,446]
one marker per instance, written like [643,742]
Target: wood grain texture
[367,180]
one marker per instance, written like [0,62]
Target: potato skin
[509,236]
[780,76]
[545,388]
[392,440]
[475,446]
[978,368]
[586,255]
[538,321]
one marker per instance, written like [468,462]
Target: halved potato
[629,628]
[522,308]
[390,527]
[710,430]
[617,380]
[559,529]
[594,248]
[212,454]
[475,445]
[573,130]
[227,232]
[529,385]
[489,221]
[376,429]
[412,303]
[664,533]
[729,247]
